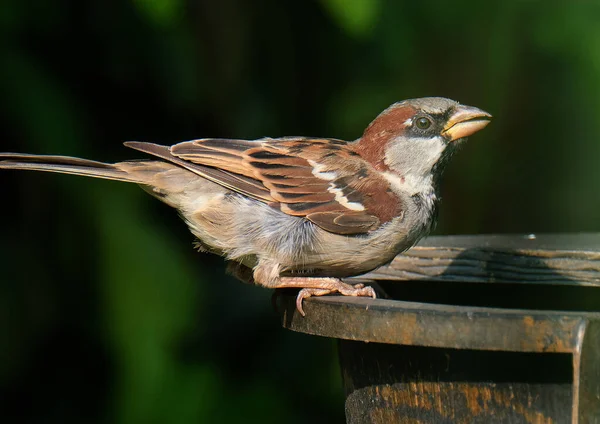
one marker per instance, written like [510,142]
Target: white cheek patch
[440,146]
[320,173]
[414,155]
[343,200]
[408,122]
[411,162]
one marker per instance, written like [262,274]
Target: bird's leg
[320,286]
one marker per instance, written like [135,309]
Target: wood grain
[406,384]
[548,259]
[436,325]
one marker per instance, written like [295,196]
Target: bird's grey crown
[431,105]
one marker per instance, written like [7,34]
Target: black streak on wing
[265,154]
[263,165]
[298,207]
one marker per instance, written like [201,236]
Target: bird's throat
[412,184]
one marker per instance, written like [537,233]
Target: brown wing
[323,180]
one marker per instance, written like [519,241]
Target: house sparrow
[300,212]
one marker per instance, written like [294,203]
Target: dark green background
[106,312]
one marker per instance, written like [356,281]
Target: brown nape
[388,124]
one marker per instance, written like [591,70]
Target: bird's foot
[313,286]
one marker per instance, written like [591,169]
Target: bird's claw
[357,290]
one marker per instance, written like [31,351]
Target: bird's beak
[465,120]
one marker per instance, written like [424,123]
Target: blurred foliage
[106,312]
[356,17]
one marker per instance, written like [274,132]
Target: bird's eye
[423,123]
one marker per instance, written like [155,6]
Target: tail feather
[155,174]
[64,165]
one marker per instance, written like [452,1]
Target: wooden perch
[572,259]
[440,361]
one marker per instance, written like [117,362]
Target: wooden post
[478,329]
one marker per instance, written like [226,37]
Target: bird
[300,212]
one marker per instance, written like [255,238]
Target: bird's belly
[250,232]
[345,256]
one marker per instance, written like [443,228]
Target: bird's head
[414,137]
